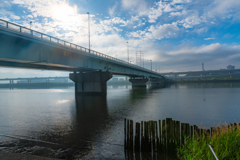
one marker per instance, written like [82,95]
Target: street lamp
[89,29]
[151,64]
[128,52]
[30,24]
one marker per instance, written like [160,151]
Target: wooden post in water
[153,136]
[164,135]
[150,136]
[137,137]
[173,136]
[168,123]
[187,130]
[178,132]
[128,134]
[195,131]
[146,138]
[156,131]
[192,130]
[125,143]
[131,134]
[182,133]
[160,136]
[141,143]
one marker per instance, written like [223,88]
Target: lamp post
[30,24]
[151,64]
[128,52]
[89,30]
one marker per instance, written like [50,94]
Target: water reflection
[54,123]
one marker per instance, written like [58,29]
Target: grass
[225,139]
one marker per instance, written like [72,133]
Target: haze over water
[52,123]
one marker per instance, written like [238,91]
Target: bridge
[21,47]
[223,73]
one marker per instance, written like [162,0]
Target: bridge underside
[19,50]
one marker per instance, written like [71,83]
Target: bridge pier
[90,83]
[139,81]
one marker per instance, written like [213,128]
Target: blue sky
[177,35]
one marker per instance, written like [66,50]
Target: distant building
[230,67]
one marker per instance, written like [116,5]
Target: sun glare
[64,13]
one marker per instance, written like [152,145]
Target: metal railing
[213,153]
[44,37]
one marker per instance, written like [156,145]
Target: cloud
[208,39]
[112,10]
[189,57]
[164,31]
[196,50]
[4,14]
[135,6]
[164,7]
[222,8]
[157,32]
[191,21]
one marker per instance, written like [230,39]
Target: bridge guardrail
[24,30]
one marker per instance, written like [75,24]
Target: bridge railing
[29,32]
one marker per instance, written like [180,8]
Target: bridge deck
[26,48]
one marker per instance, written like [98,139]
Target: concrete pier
[91,83]
[139,81]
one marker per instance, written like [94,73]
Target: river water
[55,123]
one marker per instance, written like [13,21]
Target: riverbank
[35,85]
[206,81]
[18,156]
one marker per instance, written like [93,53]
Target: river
[53,123]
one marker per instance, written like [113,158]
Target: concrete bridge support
[139,81]
[90,83]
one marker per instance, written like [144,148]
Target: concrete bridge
[21,47]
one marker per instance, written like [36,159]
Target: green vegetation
[226,142]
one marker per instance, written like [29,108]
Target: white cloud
[112,10]
[208,39]
[164,31]
[135,6]
[183,12]
[223,7]
[9,14]
[196,50]
[157,32]
[191,21]
[158,9]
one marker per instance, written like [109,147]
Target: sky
[177,35]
